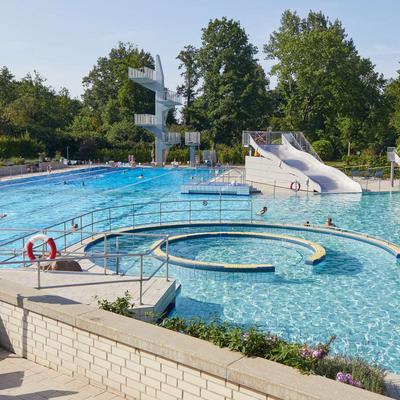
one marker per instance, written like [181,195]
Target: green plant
[254,343]
[371,376]
[324,149]
[121,305]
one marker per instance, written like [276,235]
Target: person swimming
[141,176]
[307,223]
[3,215]
[83,183]
[262,211]
[329,222]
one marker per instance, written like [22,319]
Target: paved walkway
[21,379]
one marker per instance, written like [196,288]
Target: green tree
[233,93]
[191,76]
[110,99]
[326,88]
[392,93]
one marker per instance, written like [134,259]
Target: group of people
[328,223]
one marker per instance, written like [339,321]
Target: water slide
[296,160]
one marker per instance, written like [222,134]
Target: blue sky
[62,39]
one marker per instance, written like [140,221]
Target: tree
[190,74]
[327,89]
[110,99]
[392,93]
[233,93]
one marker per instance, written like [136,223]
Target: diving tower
[165,100]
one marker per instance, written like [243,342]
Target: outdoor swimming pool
[352,294]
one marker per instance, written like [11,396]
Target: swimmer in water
[263,211]
[3,215]
[83,183]
[141,176]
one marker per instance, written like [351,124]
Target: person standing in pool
[329,222]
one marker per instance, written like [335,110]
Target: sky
[62,39]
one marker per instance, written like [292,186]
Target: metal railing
[266,138]
[298,140]
[192,138]
[145,119]
[172,137]
[143,72]
[169,96]
[108,258]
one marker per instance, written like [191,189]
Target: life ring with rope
[45,240]
[295,185]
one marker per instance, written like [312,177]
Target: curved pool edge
[318,255]
[386,245]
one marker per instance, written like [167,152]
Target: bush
[121,305]
[180,154]
[142,153]
[254,343]
[324,149]
[230,154]
[21,146]
[371,376]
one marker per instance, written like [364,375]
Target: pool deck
[22,379]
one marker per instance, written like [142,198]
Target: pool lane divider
[318,255]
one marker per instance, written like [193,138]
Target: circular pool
[238,251]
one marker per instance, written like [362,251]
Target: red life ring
[295,185]
[41,238]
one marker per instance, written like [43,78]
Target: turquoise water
[353,294]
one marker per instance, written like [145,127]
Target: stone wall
[143,361]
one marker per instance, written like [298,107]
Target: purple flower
[348,378]
[318,353]
[341,377]
[305,352]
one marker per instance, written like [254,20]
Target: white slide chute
[287,158]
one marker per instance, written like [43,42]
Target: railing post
[65,236]
[23,251]
[105,254]
[117,250]
[80,222]
[38,274]
[251,210]
[167,262]
[190,211]
[91,214]
[220,209]
[141,281]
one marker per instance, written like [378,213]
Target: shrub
[324,149]
[21,146]
[230,154]
[180,154]
[121,305]
[371,376]
[142,153]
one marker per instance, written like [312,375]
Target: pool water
[353,294]
[240,250]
